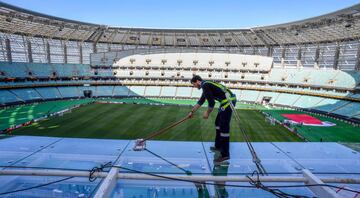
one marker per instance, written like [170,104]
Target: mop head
[140,145]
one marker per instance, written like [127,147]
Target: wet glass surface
[171,157]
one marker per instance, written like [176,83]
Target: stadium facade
[315,62]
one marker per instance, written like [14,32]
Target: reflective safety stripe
[226,100]
[217,127]
[225,134]
[225,106]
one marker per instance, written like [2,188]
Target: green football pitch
[132,121]
[341,132]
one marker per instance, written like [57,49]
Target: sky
[184,13]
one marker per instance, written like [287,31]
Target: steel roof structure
[342,25]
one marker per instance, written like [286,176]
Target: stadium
[75,97]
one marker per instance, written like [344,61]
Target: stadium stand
[348,110]
[26,94]
[168,91]
[284,99]
[307,102]
[121,91]
[65,70]
[40,70]
[328,104]
[13,70]
[104,91]
[183,92]
[69,92]
[152,91]
[271,96]
[89,88]
[49,93]
[83,70]
[195,93]
[137,91]
[7,97]
[279,69]
[249,96]
[303,67]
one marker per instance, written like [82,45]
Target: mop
[140,144]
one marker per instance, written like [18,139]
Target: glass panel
[167,157]
[74,187]
[13,149]
[273,160]
[172,157]
[74,153]
[323,157]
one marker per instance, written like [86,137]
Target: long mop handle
[165,129]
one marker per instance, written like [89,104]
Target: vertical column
[357,64]
[48,52]
[81,53]
[94,48]
[317,56]
[336,57]
[298,58]
[270,51]
[29,52]
[8,50]
[65,53]
[283,50]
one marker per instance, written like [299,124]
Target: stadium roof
[337,26]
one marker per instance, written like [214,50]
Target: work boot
[220,160]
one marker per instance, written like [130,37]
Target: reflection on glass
[220,170]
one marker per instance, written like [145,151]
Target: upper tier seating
[13,70]
[40,70]
[329,77]
[185,59]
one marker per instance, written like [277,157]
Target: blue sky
[184,13]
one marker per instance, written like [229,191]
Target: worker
[214,91]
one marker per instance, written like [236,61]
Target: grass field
[342,132]
[132,121]
[24,113]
